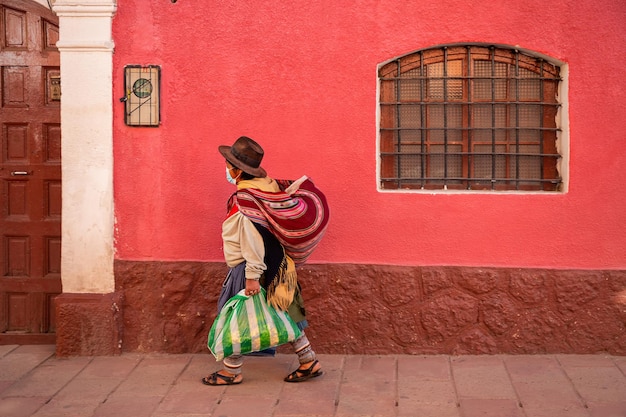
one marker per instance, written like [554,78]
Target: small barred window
[469,117]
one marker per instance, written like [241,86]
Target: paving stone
[368,388]
[159,414]
[585,361]
[46,350]
[547,394]
[490,408]
[536,367]
[598,384]
[153,376]
[237,406]
[313,404]
[22,360]
[66,408]
[616,409]
[21,406]
[567,410]
[189,402]
[481,377]
[423,392]
[4,385]
[6,349]
[366,407]
[428,368]
[367,396]
[84,391]
[128,406]
[620,361]
[428,410]
[540,382]
[48,378]
[111,366]
[382,366]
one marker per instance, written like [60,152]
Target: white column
[86,48]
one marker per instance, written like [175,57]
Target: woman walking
[255,238]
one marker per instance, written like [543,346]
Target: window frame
[552,154]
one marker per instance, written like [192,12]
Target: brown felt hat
[246,155]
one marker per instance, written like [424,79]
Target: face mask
[229,178]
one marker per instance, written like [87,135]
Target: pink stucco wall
[300,77]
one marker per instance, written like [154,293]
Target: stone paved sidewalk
[33,382]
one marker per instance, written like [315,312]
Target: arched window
[469,117]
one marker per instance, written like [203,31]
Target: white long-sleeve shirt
[241,240]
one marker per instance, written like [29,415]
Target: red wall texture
[301,78]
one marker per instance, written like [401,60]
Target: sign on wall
[142,96]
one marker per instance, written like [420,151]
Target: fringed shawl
[297,215]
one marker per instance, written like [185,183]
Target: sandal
[301,375]
[215,377]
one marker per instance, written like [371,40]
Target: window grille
[469,117]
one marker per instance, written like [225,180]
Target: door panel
[30,173]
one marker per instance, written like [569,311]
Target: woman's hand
[252,286]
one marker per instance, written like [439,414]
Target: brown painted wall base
[89,324]
[374,309]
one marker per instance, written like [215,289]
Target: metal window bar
[517,132]
[465,77]
[422,122]
[470,132]
[476,129]
[493,116]
[547,155]
[541,87]
[479,179]
[445,117]
[415,103]
[398,133]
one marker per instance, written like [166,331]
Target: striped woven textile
[297,218]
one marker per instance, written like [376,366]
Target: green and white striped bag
[248,324]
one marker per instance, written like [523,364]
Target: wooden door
[30,172]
